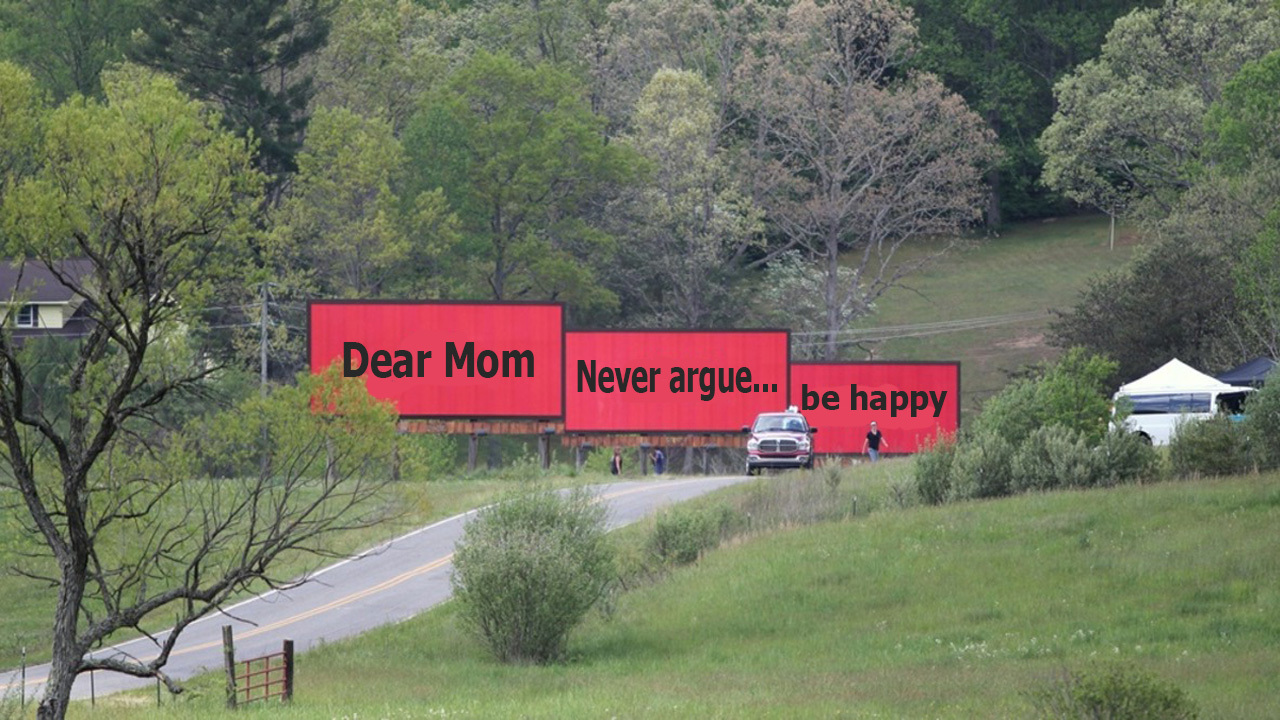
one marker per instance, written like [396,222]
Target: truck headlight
[753,444]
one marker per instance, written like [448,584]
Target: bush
[528,568]
[1118,692]
[1262,423]
[1071,392]
[1052,457]
[933,471]
[981,468]
[1215,446]
[682,534]
[1125,457]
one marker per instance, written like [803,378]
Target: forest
[682,163]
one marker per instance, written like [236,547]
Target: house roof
[32,282]
[1173,377]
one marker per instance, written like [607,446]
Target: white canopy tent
[1176,376]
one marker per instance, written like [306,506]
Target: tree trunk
[66,651]
[831,295]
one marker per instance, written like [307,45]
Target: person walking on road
[871,446]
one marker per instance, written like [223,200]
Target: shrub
[682,534]
[528,568]
[1124,457]
[933,471]
[1215,446]
[426,457]
[1262,423]
[1053,456]
[981,468]
[1118,692]
[1071,392]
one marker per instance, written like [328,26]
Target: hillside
[950,612]
[999,291]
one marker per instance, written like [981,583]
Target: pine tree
[243,55]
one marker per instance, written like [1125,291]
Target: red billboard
[446,359]
[673,381]
[910,402]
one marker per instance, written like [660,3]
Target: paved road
[388,584]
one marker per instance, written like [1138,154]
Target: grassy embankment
[950,612]
[1031,268]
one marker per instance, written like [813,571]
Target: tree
[861,156]
[1130,125]
[243,55]
[690,226]
[141,204]
[21,113]
[380,59]
[1003,57]
[523,163]
[340,223]
[641,37]
[68,43]
[1176,299]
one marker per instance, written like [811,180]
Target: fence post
[288,671]
[229,661]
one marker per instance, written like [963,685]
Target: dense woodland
[697,163]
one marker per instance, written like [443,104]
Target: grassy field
[950,612]
[1031,268]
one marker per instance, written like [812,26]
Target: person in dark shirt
[659,461]
[615,465]
[871,446]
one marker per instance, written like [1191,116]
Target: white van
[1176,393]
[1155,416]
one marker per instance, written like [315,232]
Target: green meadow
[920,612]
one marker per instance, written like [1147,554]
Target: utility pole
[262,319]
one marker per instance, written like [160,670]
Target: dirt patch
[1022,342]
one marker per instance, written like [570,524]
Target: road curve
[387,584]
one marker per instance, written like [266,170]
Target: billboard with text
[673,381]
[910,402]
[445,359]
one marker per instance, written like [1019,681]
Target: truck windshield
[780,423]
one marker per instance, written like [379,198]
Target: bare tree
[857,156]
[140,205]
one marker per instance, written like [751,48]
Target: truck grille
[777,446]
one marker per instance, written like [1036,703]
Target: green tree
[1004,56]
[340,225]
[245,56]
[1129,130]
[142,204]
[1176,299]
[380,59]
[21,111]
[689,227]
[68,43]
[156,196]
[523,163]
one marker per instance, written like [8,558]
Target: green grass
[1031,267]
[950,612]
